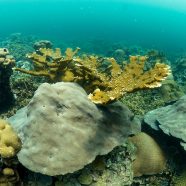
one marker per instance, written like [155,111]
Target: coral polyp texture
[146,163]
[104,85]
[9,141]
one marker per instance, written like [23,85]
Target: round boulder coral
[150,158]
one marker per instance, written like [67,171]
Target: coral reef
[114,168]
[55,127]
[179,70]
[19,45]
[118,167]
[105,85]
[170,91]
[23,88]
[170,119]
[98,76]
[6,63]
[150,158]
[143,101]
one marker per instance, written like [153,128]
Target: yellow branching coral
[131,78]
[57,67]
[103,84]
[51,64]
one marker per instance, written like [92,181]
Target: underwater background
[152,24]
[92,93]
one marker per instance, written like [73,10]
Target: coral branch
[104,85]
[130,79]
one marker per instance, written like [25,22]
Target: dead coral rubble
[103,85]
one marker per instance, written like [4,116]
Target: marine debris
[104,85]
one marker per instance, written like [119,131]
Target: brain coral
[62,130]
[150,158]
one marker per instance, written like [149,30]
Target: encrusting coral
[104,85]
